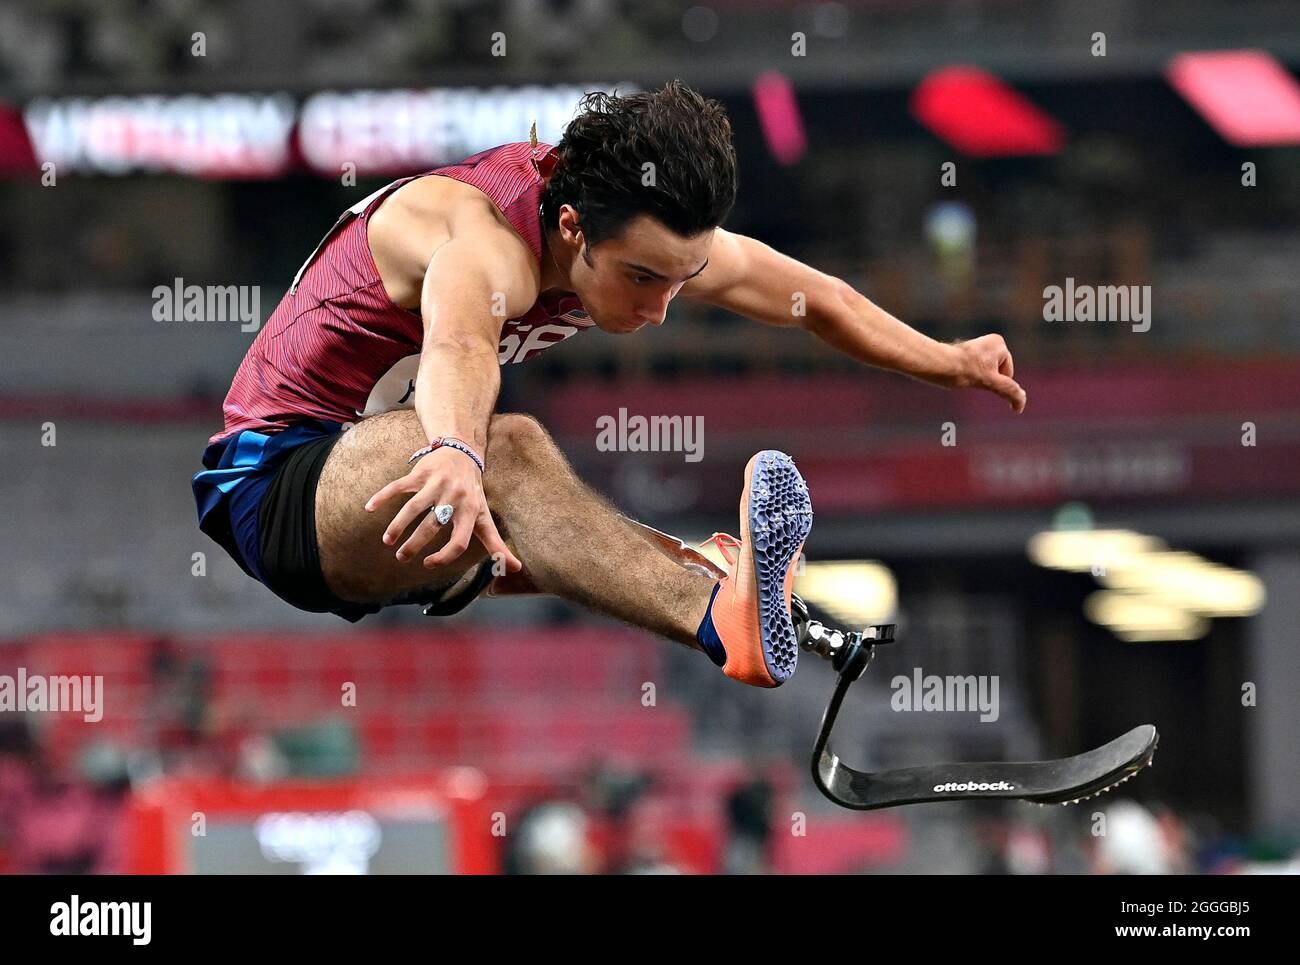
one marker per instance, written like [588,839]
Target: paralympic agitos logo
[974,786]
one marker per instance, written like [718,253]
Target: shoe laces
[724,542]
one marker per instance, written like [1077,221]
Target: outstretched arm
[752,279]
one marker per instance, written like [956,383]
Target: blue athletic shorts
[257,499]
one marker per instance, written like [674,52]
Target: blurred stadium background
[1114,143]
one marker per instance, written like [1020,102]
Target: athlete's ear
[569,223]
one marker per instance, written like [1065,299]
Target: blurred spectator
[749,823]
[611,793]
[550,838]
[1134,842]
[52,825]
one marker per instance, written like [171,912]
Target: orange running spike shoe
[751,609]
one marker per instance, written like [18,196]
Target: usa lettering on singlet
[337,347]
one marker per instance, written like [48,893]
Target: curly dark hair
[604,150]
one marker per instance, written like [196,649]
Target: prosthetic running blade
[1064,781]
[1067,780]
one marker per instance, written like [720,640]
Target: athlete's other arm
[477,272]
[752,279]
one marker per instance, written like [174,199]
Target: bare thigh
[356,564]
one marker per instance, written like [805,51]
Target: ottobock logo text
[974,786]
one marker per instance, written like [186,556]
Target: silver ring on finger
[443,513]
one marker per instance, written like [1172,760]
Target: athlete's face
[627,282]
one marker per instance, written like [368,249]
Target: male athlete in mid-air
[396,328]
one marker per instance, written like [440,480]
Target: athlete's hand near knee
[473,272]
[445,476]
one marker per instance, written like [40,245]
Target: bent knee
[518,446]
[514,433]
